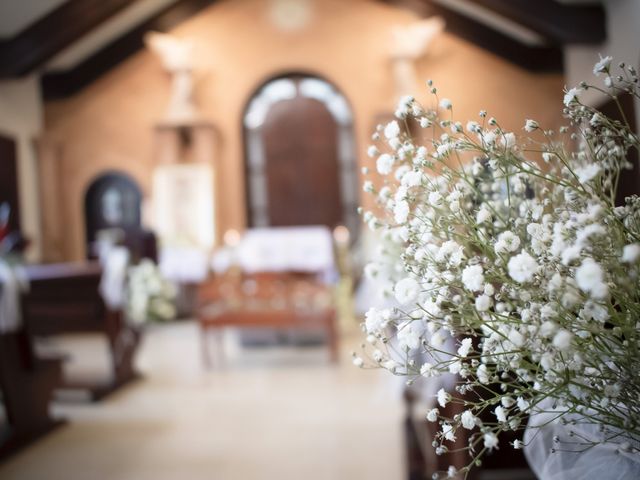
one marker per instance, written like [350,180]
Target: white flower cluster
[150,297]
[516,249]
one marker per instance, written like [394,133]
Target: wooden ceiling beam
[560,23]
[39,42]
[56,85]
[535,58]
[556,22]
[543,58]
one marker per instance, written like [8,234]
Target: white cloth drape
[13,282]
[184,264]
[303,249]
[605,461]
[114,276]
[281,249]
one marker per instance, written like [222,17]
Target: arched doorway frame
[285,86]
[135,216]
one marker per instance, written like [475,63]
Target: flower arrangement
[512,268]
[12,243]
[150,297]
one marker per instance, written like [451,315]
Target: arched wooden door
[300,155]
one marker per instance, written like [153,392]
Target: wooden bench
[266,300]
[26,385]
[64,299]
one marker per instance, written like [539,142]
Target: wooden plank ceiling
[34,45]
[60,84]
[529,33]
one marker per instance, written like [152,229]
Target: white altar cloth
[184,264]
[280,249]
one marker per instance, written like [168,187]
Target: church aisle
[278,413]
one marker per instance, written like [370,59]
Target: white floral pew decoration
[514,246]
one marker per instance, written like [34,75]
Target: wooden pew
[63,299]
[26,384]
[265,300]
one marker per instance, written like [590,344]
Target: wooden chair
[271,300]
[63,299]
[26,385]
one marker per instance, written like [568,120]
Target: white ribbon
[13,282]
[114,275]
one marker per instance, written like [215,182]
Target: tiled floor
[282,413]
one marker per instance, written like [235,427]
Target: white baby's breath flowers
[507,242]
[427,370]
[409,334]
[384,164]
[425,122]
[490,441]
[590,279]
[562,339]
[483,303]
[500,414]
[406,290]
[375,320]
[443,397]
[401,211]
[448,432]
[571,95]
[473,278]
[446,104]
[489,137]
[468,420]
[512,269]
[435,198]
[507,401]
[465,347]
[484,215]
[150,296]
[588,172]
[631,253]
[473,127]
[602,66]
[483,374]
[392,130]
[404,107]
[412,178]
[516,338]
[522,404]
[531,125]
[432,415]
[522,267]
[508,140]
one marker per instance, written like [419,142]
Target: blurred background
[180,248]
